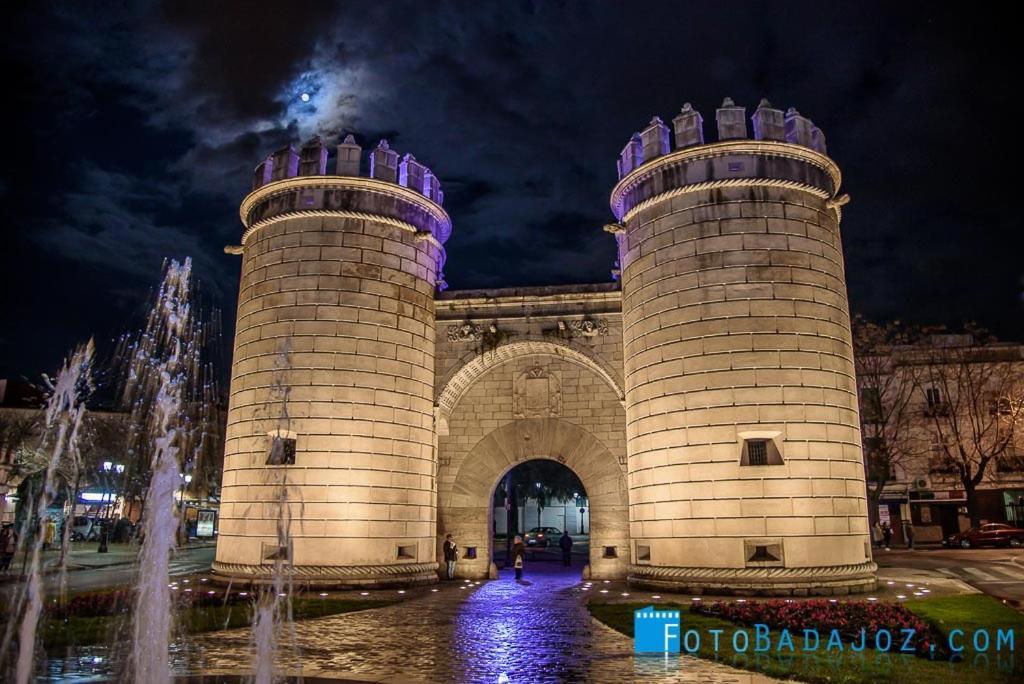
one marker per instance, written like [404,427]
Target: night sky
[132,129]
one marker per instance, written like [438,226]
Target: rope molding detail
[327,571]
[724,183]
[686,155]
[838,572]
[343,213]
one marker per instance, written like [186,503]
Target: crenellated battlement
[768,123]
[398,190]
[786,150]
[385,164]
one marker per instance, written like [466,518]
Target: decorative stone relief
[537,394]
[465,332]
[587,327]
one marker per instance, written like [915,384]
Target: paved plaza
[537,630]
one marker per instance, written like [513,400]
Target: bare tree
[19,429]
[970,389]
[886,401]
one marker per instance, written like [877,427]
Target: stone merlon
[768,123]
[384,164]
[398,190]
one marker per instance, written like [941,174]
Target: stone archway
[475,365]
[465,508]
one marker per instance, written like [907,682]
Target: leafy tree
[557,483]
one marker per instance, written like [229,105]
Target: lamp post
[509,493]
[185,481]
[538,504]
[106,498]
[579,502]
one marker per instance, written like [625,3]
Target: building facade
[707,400]
[921,402]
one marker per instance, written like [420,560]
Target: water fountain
[163,362]
[64,412]
[169,392]
[273,605]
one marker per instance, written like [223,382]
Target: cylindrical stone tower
[329,461]
[745,464]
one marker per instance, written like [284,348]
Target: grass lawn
[968,613]
[81,631]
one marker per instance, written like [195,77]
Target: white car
[85,528]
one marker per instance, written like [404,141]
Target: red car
[990,534]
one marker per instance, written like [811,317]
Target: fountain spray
[164,361]
[64,413]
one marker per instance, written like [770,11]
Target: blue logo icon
[655,631]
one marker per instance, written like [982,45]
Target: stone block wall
[328,311]
[736,330]
[334,349]
[754,339]
[579,420]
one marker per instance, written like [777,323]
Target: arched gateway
[518,385]
[707,401]
[465,506]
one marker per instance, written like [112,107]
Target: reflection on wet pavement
[500,631]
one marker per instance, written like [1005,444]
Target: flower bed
[849,618]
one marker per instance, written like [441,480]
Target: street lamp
[107,468]
[579,502]
[185,481]
[538,505]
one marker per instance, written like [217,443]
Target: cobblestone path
[499,631]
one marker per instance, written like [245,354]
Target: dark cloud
[133,131]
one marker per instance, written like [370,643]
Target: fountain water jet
[164,358]
[268,617]
[64,412]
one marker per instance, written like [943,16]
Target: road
[185,562]
[997,572]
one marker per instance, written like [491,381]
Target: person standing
[565,543]
[908,532]
[518,556]
[49,533]
[451,554]
[8,547]
[886,535]
[876,534]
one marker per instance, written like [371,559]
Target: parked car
[990,534]
[85,528]
[542,536]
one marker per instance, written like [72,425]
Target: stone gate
[707,399]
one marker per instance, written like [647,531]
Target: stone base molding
[817,581]
[337,576]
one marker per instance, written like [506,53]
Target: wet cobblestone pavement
[499,631]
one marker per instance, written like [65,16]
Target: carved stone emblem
[465,332]
[537,394]
[587,327]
